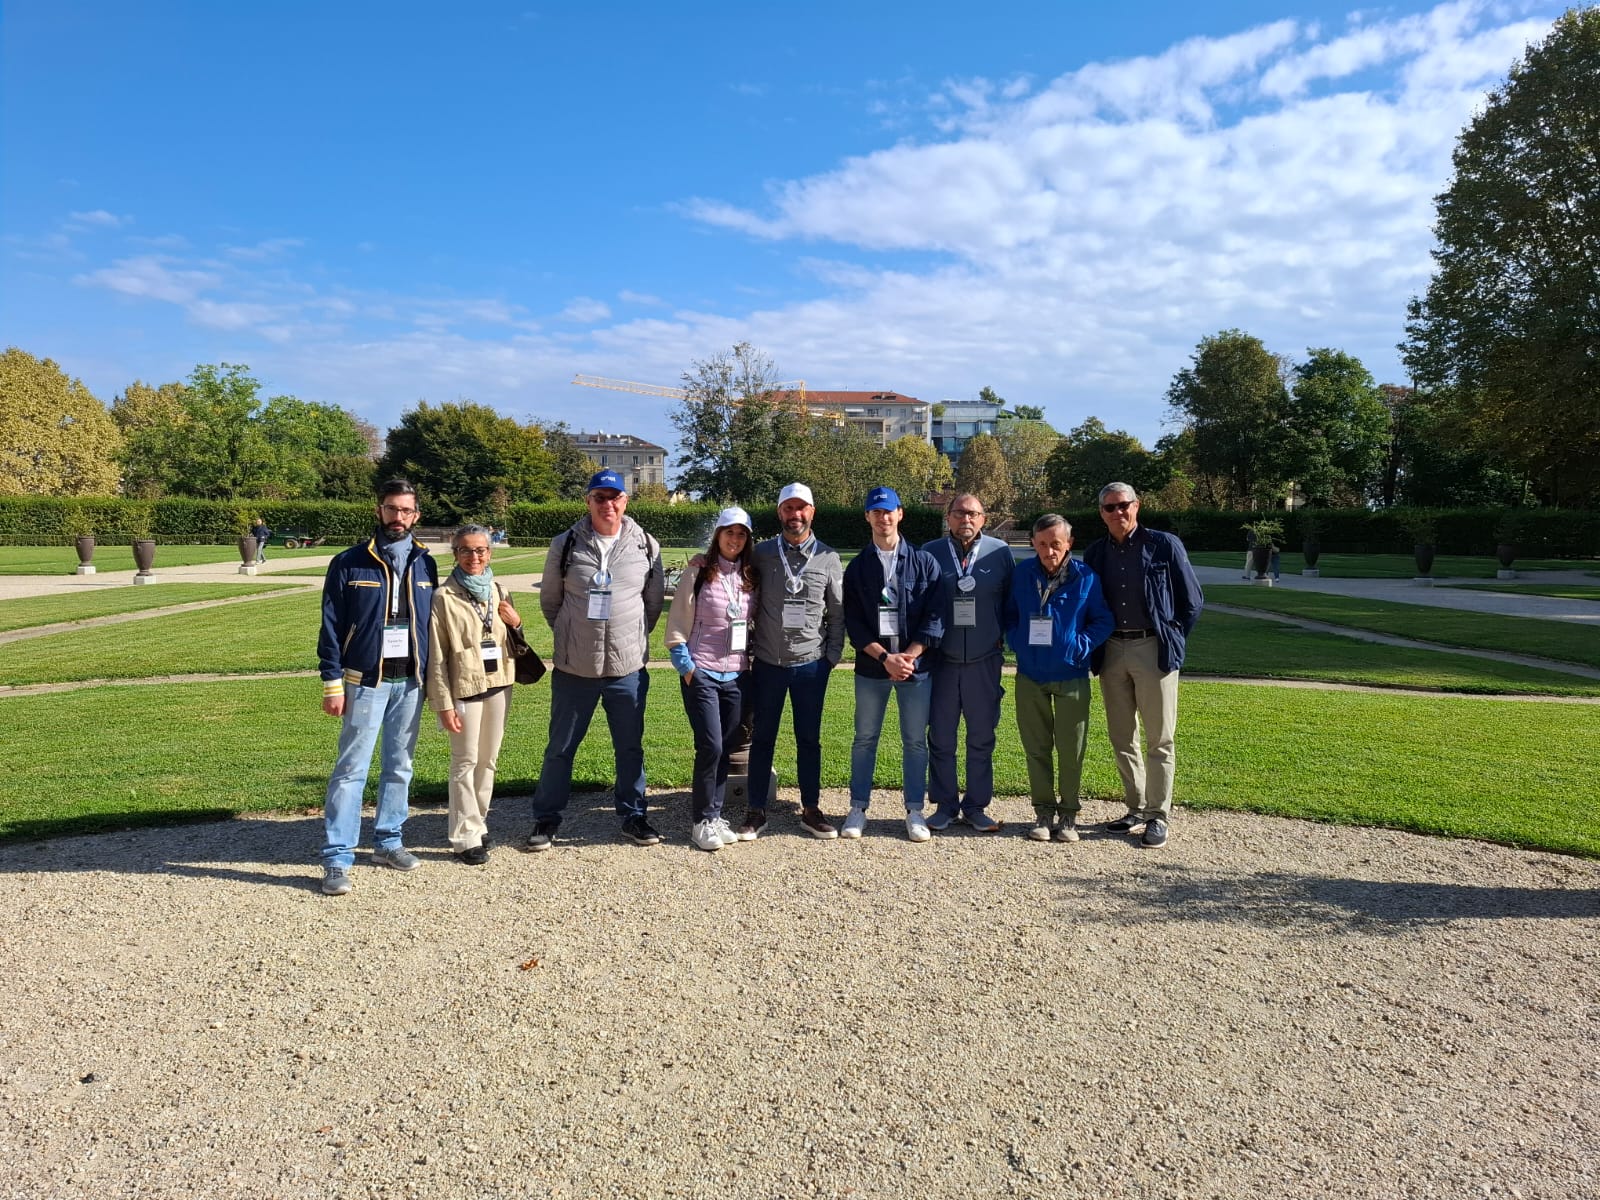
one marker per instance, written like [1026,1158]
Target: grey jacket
[992,564]
[620,645]
[823,634]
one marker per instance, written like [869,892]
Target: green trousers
[1053,722]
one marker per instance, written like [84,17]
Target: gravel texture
[1264,1009]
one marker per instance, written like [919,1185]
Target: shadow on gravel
[217,844]
[1313,904]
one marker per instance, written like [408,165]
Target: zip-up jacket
[822,636]
[1080,621]
[991,566]
[355,608]
[917,595]
[1172,594]
[616,646]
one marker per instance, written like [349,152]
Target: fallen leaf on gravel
[530,964]
[325,1129]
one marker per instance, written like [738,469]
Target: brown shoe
[816,824]
[754,819]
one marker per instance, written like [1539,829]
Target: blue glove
[680,658]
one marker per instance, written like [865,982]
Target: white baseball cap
[796,491]
[733,516]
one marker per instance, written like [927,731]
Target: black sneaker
[542,837]
[1125,824]
[638,831]
[474,856]
[1155,834]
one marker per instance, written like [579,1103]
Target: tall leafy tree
[458,455]
[1232,399]
[914,467]
[740,437]
[1091,456]
[982,471]
[1028,412]
[56,438]
[213,449]
[573,468]
[839,462]
[1508,333]
[1027,445]
[1336,426]
[1425,465]
[306,440]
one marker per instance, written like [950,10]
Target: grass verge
[1560,641]
[28,611]
[63,560]
[127,756]
[1566,591]
[1390,566]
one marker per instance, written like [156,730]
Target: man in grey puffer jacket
[602,595]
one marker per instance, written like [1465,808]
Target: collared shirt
[1123,581]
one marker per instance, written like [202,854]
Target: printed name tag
[966,611]
[1039,631]
[888,622]
[396,641]
[738,636]
[599,605]
[491,656]
[794,614]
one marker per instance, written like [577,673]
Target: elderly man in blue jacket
[1156,600]
[373,650]
[893,618]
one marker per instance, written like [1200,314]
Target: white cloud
[586,310]
[264,251]
[151,277]
[642,299]
[97,219]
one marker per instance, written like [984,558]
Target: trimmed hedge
[57,520]
[843,527]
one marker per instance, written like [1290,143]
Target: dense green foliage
[56,438]
[468,462]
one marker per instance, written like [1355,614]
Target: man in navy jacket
[893,618]
[373,650]
[1156,600]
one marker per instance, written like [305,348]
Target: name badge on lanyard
[888,621]
[599,604]
[1039,629]
[491,656]
[965,610]
[794,614]
[738,636]
[396,641]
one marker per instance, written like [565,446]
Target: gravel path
[1266,1008]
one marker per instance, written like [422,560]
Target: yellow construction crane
[795,386]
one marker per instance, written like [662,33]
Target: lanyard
[964,565]
[889,560]
[1055,581]
[602,578]
[486,616]
[795,581]
[732,592]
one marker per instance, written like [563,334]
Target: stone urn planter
[1423,553]
[85,548]
[1260,558]
[144,557]
[247,554]
[1505,554]
[1311,551]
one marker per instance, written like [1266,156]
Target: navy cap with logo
[606,479]
[885,498]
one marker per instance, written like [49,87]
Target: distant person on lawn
[377,601]
[1156,600]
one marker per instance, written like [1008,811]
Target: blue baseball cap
[606,479]
[884,498]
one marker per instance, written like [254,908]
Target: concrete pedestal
[1312,572]
[1505,573]
[1423,581]
[247,568]
[737,796]
[1260,580]
[85,568]
[151,578]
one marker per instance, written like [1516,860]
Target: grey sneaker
[941,820]
[1155,834]
[982,822]
[706,836]
[1067,831]
[917,825]
[335,881]
[399,858]
[725,832]
[855,824]
[1040,832]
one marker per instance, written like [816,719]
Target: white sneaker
[917,825]
[855,824]
[1040,832]
[725,832]
[706,836]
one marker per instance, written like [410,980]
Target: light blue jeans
[912,698]
[392,709]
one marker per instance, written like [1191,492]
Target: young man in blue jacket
[1156,600]
[376,601]
[893,619]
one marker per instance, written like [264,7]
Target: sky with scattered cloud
[419,206]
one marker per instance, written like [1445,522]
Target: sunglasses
[1118,506]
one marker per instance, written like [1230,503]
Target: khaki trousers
[473,755]
[1136,692]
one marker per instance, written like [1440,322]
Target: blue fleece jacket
[1079,622]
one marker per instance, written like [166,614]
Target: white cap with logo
[796,491]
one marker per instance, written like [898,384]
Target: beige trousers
[473,754]
[1136,692]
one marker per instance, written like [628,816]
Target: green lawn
[63,560]
[28,611]
[123,756]
[1391,566]
[1567,591]
[1563,642]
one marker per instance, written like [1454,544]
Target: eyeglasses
[965,512]
[611,499]
[475,551]
[399,512]
[1118,506]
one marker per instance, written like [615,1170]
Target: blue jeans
[912,697]
[972,691]
[714,708]
[572,701]
[807,684]
[392,709]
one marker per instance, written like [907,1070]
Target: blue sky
[374,204]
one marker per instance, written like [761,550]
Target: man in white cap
[799,636]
